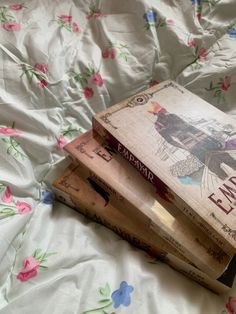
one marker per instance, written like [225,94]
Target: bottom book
[75,192]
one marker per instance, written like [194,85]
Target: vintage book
[70,189]
[186,148]
[124,186]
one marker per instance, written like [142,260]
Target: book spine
[161,188]
[173,261]
[119,201]
[116,198]
[206,256]
[88,212]
[72,190]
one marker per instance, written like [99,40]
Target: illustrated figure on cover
[204,149]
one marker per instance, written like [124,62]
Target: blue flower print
[110,301]
[122,295]
[47,197]
[153,21]
[150,16]
[198,2]
[232,32]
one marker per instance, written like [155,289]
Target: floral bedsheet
[61,62]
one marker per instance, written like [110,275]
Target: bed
[61,62]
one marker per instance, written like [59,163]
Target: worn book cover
[186,148]
[80,195]
[121,184]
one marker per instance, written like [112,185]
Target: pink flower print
[98,14]
[191,43]
[105,53]
[231,305]
[170,22]
[16,7]
[65,18]
[226,83]
[7,195]
[75,27]
[23,207]
[97,79]
[30,266]
[113,53]
[94,12]
[61,141]
[9,132]
[202,53]
[114,50]
[41,67]
[88,92]
[43,83]
[11,26]
[94,15]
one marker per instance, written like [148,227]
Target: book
[70,189]
[119,183]
[186,148]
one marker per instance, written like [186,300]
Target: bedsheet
[61,62]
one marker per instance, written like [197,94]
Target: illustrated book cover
[186,148]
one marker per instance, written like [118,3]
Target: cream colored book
[122,185]
[76,193]
[186,148]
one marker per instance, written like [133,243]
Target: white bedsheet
[61,62]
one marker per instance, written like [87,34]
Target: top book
[186,148]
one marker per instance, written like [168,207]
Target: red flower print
[97,79]
[43,83]
[7,196]
[226,84]
[23,207]
[113,53]
[61,141]
[199,16]
[231,305]
[105,53]
[30,266]
[88,92]
[75,27]
[202,53]
[41,67]
[220,88]
[16,7]
[11,26]
[153,83]
[65,18]
[191,43]
[9,132]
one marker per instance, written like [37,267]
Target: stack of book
[159,169]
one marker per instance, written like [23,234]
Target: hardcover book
[70,189]
[186,148]
[119,183]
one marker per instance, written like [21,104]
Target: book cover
[70,189]
[186,148]
[119,183]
